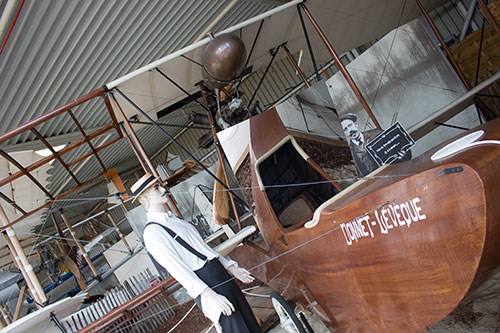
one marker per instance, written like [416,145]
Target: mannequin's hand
[217,302]
[240,273]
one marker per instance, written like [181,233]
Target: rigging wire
[46,220]
[150,316]
[406,80]
[83,201]
[233,189]
[386,61]
[50,209]
[51,237]
[182,319]
[437,174]
[270,186]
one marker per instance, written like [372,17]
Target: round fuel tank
[223,60]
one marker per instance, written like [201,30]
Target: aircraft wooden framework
[467,172]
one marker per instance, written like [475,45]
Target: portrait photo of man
[357,143]
[358,140]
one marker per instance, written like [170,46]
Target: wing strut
[308,43]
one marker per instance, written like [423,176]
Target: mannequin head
[154,198]
[150,194]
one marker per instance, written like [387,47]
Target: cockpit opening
[294,188]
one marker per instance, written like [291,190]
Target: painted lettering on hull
[390,216]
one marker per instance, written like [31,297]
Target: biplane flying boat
[397,250]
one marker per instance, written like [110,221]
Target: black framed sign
[390,145]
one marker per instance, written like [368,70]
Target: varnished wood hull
[399,252]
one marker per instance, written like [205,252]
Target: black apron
[216,277]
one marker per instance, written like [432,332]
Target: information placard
[388,146]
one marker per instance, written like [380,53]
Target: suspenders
[179,240]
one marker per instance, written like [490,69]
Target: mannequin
[179,248]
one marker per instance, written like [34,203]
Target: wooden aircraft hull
[397,253]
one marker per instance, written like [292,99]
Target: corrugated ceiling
[59,50]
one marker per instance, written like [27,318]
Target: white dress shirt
[178,261]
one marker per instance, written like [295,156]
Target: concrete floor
[481,313]
[316,324]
